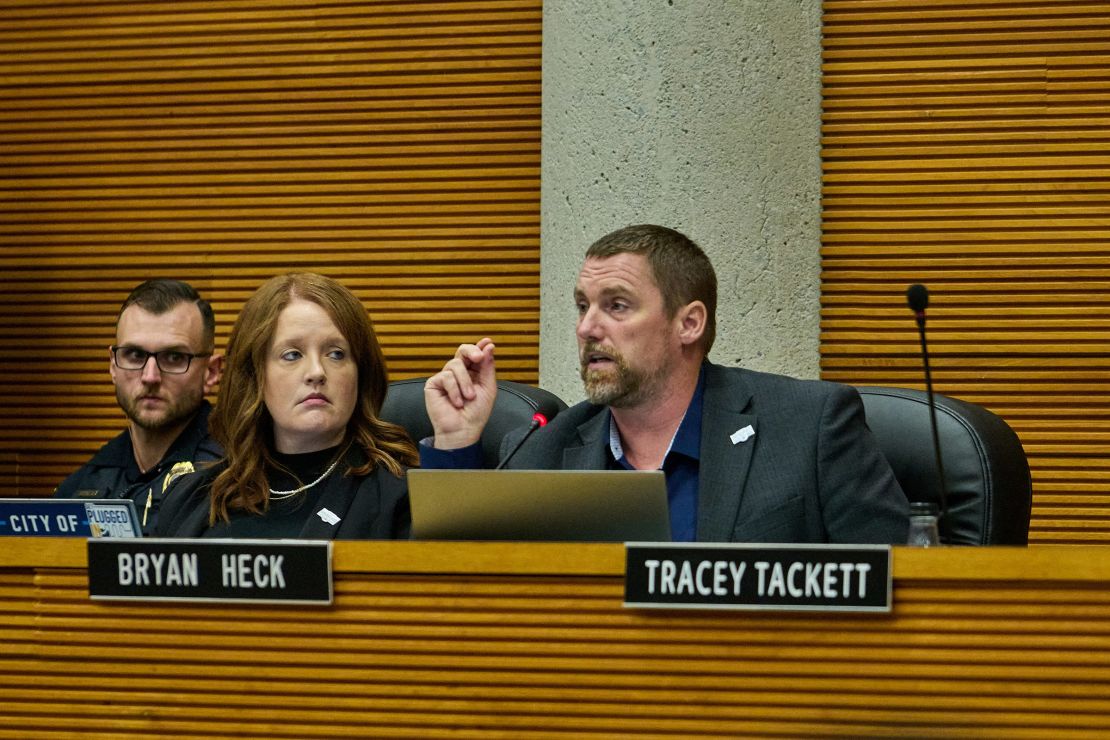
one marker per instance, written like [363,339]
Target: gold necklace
[279,495]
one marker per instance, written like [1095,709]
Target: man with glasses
[162,365]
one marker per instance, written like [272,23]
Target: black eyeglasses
[172,361]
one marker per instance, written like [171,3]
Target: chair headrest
[986,471]
[514,407]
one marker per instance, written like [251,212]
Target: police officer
[162,365]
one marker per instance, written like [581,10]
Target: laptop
[539,505]
[67,517]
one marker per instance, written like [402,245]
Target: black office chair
[513,409]
[989,488]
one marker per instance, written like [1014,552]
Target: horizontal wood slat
[509,640]
[394,146]
[965,146]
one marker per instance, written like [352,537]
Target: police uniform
[113,473]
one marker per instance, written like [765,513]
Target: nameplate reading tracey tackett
[268,571]
[740,576]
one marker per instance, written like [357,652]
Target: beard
[177,410]
[621,385]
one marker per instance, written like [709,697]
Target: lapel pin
[742,435]
[328,516]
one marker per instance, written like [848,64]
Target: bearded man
[162,365]
[747,456]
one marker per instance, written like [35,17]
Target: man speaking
[748,456]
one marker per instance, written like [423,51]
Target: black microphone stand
[919,315]
[538,420]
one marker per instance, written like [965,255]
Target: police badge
[178,470]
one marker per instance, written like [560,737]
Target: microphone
[917,295]
[545,412]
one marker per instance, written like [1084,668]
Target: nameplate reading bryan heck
[268,571]
[741,576]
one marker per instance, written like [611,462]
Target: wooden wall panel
[392,145]
[496,640]
[967,146]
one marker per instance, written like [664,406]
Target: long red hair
[240,421]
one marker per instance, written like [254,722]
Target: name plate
[741,576]
[20,517]
[266,571]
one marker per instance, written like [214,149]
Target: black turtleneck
[286,516]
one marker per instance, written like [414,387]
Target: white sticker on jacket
[742,435]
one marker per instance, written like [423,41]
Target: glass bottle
[923,525]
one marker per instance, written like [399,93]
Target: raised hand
[460,397]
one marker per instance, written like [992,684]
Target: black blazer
[810,471]
[371,507]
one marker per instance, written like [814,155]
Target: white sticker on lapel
[328,516]
[742,435]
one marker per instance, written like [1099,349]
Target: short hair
[163,294]
[682,271]
[240,421]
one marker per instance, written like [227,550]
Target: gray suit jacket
[811,472]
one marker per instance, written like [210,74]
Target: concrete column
[703,116]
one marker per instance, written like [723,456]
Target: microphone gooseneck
[545,412]
[917,295]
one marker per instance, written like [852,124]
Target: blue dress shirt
[680,466]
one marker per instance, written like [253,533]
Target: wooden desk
[492,640]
